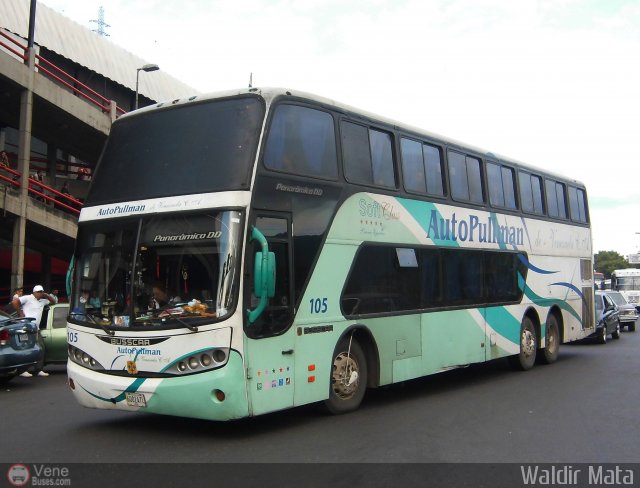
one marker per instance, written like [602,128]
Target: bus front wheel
[526,358]
[348,377]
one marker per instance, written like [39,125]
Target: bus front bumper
[219,394]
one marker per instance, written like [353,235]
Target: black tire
[549,354]
[526,358]
[616,333]
[602,337]
[346,393]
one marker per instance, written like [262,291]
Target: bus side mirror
[264,275]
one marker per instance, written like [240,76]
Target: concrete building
[57,103]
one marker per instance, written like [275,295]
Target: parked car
[53,328]
[19,348]
[607,317]
[626,311]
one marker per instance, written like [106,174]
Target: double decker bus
[249,251]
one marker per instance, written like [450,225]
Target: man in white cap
[32,306]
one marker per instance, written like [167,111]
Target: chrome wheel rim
[552,341]
[528,343]
[344,383]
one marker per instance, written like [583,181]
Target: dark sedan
[19,348]
[608,318]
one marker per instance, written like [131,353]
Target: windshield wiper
[192,328]
[94,321]
[156,311]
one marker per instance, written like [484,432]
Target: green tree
[607,261]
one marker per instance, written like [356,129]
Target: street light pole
[147,68]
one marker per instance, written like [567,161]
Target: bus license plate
[136,399]
[23,337]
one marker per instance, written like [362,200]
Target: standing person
[32,306]
[17,293]
[54,294]
[9,308]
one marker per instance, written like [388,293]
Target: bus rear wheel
[526,358]
[549,354]
[348,377]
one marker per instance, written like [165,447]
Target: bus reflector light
[72,385]
[219,394]
[311,367]
[311,379]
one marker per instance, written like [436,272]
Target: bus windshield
[628,283]
[197,148]
[166,271]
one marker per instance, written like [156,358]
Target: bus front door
[270,337]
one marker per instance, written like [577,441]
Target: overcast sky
[553,83]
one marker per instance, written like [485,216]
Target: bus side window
[302,141]
[465,177]
[367,155]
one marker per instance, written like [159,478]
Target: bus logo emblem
[131,367]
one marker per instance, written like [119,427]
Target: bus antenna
[250,80]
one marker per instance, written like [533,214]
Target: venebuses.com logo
[38,475]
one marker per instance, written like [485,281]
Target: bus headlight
[80,357]
[199,361]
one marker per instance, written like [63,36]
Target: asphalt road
[583,409]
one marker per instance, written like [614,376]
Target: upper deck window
[531,193]
[302,141]
[578,204]
[422,167]
[501,181]
[368,156]
[556,199]
[466,177]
